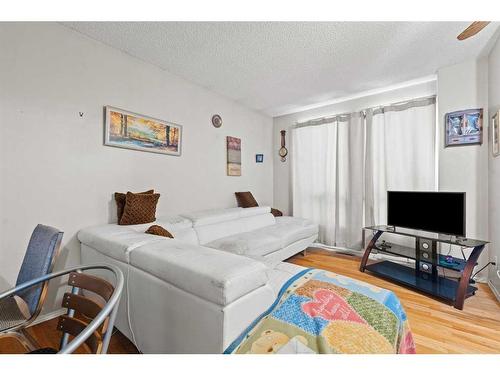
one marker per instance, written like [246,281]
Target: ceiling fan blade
[473,29]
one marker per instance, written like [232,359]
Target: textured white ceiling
[279,67]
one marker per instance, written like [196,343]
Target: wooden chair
[91,306]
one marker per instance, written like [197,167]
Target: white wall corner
[493,288]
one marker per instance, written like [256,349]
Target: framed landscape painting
[138,132]
[464,128]
[233,156]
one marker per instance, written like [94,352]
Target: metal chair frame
[110,309]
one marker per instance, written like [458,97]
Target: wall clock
[217,121]
[283,152]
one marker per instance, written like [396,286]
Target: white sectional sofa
[197,292]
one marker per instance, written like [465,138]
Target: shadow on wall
[70,248]
[112,217]
[4,285]
[56,286]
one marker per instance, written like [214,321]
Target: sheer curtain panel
[343,166]
[328,178]
[400,155]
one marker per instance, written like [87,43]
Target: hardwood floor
[46,335]
[437,327]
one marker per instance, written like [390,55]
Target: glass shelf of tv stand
[456,264]
[443,238]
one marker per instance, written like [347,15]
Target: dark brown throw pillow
[139,208]
[159,231]
[120,202]
[276,212]
[245,199]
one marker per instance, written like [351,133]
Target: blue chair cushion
[42,248]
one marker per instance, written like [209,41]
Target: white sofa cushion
[214,216]
[207,217]
[282,272]
[267,239]
[248,243]
[180,227]
[253,211]
[116,241]
[212,232]
[210,274]
[290,229]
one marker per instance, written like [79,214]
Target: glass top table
[444,238]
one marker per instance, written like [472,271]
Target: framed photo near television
[494,134]
[464,127]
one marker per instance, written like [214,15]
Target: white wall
[494,167]
[54,168]
[465,168]
[282,170]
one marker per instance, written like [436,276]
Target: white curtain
[343,167]
[328,178]
[400,155]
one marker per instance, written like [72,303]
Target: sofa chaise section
[269,239]
[185,295]
[213,276]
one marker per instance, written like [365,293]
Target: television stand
[423,248]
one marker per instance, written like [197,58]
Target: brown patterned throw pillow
[159,231]
[245,199]
[139,208]
[120,202]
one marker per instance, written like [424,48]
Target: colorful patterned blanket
[321,312]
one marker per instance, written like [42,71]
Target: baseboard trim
[374,255]
[495,291]
[48,316]
[342,250]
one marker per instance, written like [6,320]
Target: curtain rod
[398,106]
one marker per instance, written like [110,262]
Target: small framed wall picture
[494,134]
[233,156]
[259,158]
[464,127]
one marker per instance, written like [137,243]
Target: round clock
[217,121]
[283,152]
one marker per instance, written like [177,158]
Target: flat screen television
[441,212]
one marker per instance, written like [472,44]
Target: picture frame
[494,131]
[130,130]
[233,145]
[259,158]
[464,127]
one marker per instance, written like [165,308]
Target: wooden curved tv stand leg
[368,250]
[465,279]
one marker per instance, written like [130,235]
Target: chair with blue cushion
[20,310]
